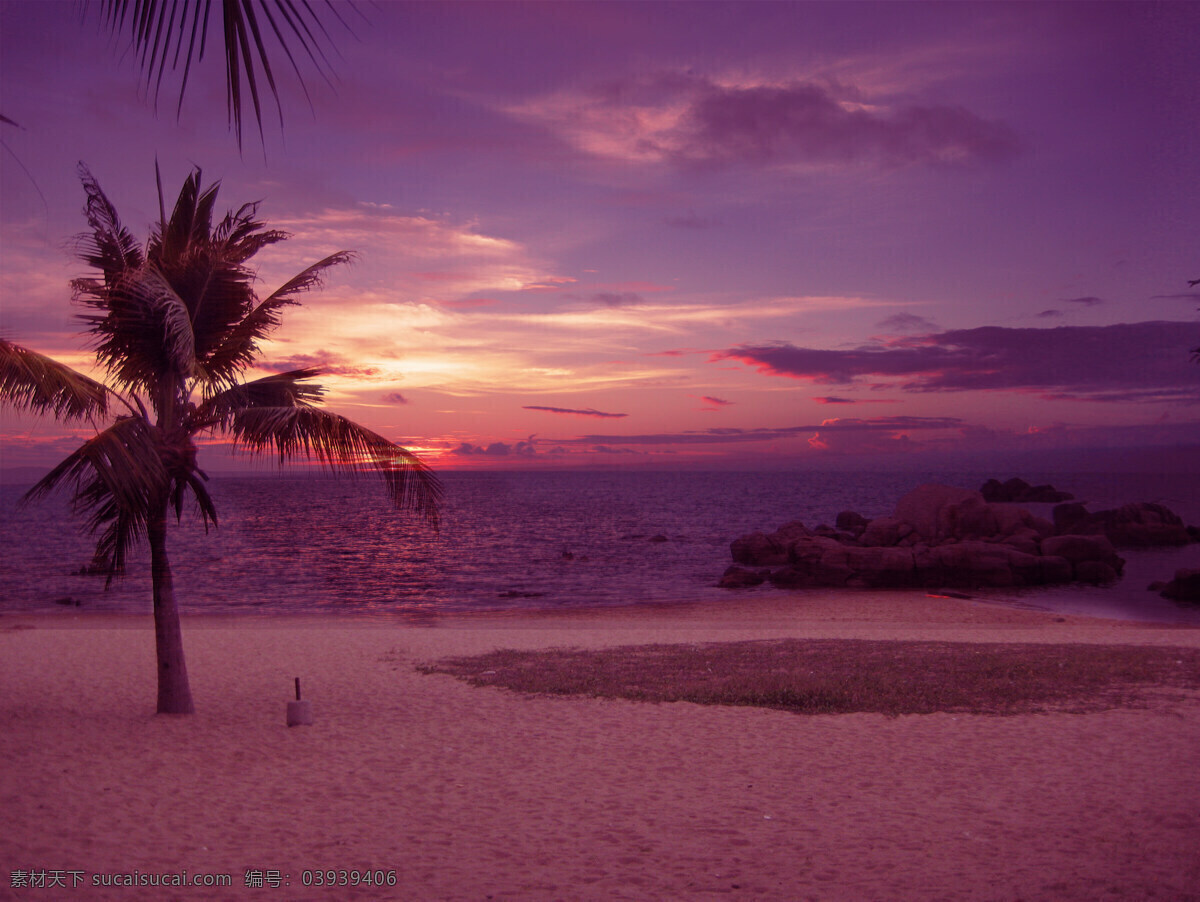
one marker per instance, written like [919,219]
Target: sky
[671,234]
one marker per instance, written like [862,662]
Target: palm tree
[175,326]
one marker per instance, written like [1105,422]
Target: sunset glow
[608,234]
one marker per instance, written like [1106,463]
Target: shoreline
[467,793]
[824,612]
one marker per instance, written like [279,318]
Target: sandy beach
[472,794]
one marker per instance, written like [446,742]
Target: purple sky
[700,233]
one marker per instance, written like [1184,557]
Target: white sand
[474,794]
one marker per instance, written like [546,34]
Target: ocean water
[521,540]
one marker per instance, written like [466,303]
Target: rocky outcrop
[938,536]
[932,509]
[1138,525]
[736,577]
[1018,491]
[1184,587]
[943,536]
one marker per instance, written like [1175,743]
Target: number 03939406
[338,877]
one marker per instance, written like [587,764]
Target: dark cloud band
[1079,361]
[588,412]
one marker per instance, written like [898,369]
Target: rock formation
[1138,525]
[942,536]
[1018,491]
[1184,587]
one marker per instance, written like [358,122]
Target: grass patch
[843,676]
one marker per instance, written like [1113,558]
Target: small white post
[299,713]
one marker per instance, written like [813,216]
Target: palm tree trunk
[174,693]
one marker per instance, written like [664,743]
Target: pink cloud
[642,287]
[710,404]
[325,361]
[830,399]
[468,303]
[587,412]
[692,120]
[732,435]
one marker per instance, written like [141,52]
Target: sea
[525,540]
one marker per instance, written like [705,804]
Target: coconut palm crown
[176,324]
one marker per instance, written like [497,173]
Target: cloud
[327,362]
[906,322]
[1086,302]
[395,398]
[613,299]
[810,123]
[690,120]
[1075,361]
[587,412]
[412,256]
[827,442]
[1186,395]
[468,303]
[731,435]
[496,450]
[832,399]
[1050,314]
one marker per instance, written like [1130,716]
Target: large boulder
[822,561]
[1184,587]
[1137,525]
[1142,525]
[758,550]
[881,567]
[790,532]
[942,536]
[1018,491]
[851,522]
[886,531]
[1026,541]
[974,518]
[930,507]
[1087,556]
[819,561]
[736,577]
[1073,518]
[968,565]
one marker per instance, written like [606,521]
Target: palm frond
[310,278]
[239,345]
[109,246]
[144,328]
[190,225]
[280,390]
[241,234]
[339,444]
[35,382]
[205,263]
[164,35]
[194,480]
[114,477]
